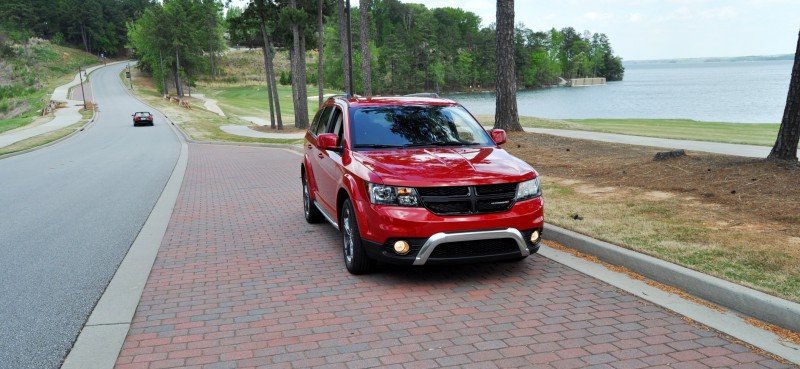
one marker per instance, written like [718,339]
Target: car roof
[360,101]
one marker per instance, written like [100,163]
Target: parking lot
[242,281]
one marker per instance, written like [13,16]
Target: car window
[336,125]
[416,126]
[321,120]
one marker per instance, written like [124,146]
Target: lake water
[740,92]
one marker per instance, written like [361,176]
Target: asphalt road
[68,215]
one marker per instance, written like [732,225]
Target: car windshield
[415,126]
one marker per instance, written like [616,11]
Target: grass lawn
[682,129]
[252,100]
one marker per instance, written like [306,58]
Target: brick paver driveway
[241,281]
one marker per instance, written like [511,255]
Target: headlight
[391,195]
[528,189]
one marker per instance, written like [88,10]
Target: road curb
[100,341]
[732,296]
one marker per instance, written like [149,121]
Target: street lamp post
[83,93]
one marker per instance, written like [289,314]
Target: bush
[58,39]
[285,78]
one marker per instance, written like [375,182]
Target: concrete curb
[101,339]
[738,298]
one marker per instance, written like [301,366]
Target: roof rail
[425,94]
[346,96]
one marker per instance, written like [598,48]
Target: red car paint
[340,163]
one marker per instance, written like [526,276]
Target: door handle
[310,147]
[320,155]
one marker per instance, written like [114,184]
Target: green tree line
[96,26]
[414,48]
[178,41]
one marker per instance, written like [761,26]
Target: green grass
[9,124]
[252,100]
[682,129]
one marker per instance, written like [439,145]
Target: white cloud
[635,18]
[661,29]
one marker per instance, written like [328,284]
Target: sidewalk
[242,281]
[63,117]
[705,146]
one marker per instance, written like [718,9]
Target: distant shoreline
[713,59]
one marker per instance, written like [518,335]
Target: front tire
[310,210]
[355,259]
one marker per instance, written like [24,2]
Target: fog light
[401,247]
[535,237]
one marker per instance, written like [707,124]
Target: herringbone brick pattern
[241,281]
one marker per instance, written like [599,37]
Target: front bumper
[449,239]
[459,247]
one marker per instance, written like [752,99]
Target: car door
[329,169]
[312,152]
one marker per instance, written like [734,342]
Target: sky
[660,29]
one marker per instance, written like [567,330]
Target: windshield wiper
[376,146]
[442,143]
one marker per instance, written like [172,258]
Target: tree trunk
[272,88]
[302,78]
[163,73]
[178,85]
[83,36]
[343,31]
[299,75]
[320,47]
[211,25]
[269,87]
[276,97]
[506,116]
[789,133]
[366,58]
[270,81]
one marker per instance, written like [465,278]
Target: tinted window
[416,126]
[321,120]
[336,125]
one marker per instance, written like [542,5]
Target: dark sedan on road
[142,118]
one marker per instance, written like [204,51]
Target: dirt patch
[756,193]
[732,217]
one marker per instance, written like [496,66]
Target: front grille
[443,191]
[475,248]
[468,199]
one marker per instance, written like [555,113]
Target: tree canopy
[97,26]
[416,49]
[174,39]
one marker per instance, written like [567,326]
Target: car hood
[462,166]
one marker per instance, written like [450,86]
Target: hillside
[24,87]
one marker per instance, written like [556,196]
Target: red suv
[416,180]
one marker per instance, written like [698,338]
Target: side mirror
[498,136]
[328,141]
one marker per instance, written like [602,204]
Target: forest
[412,48]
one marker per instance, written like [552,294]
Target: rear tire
[310,210]
[355,259]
